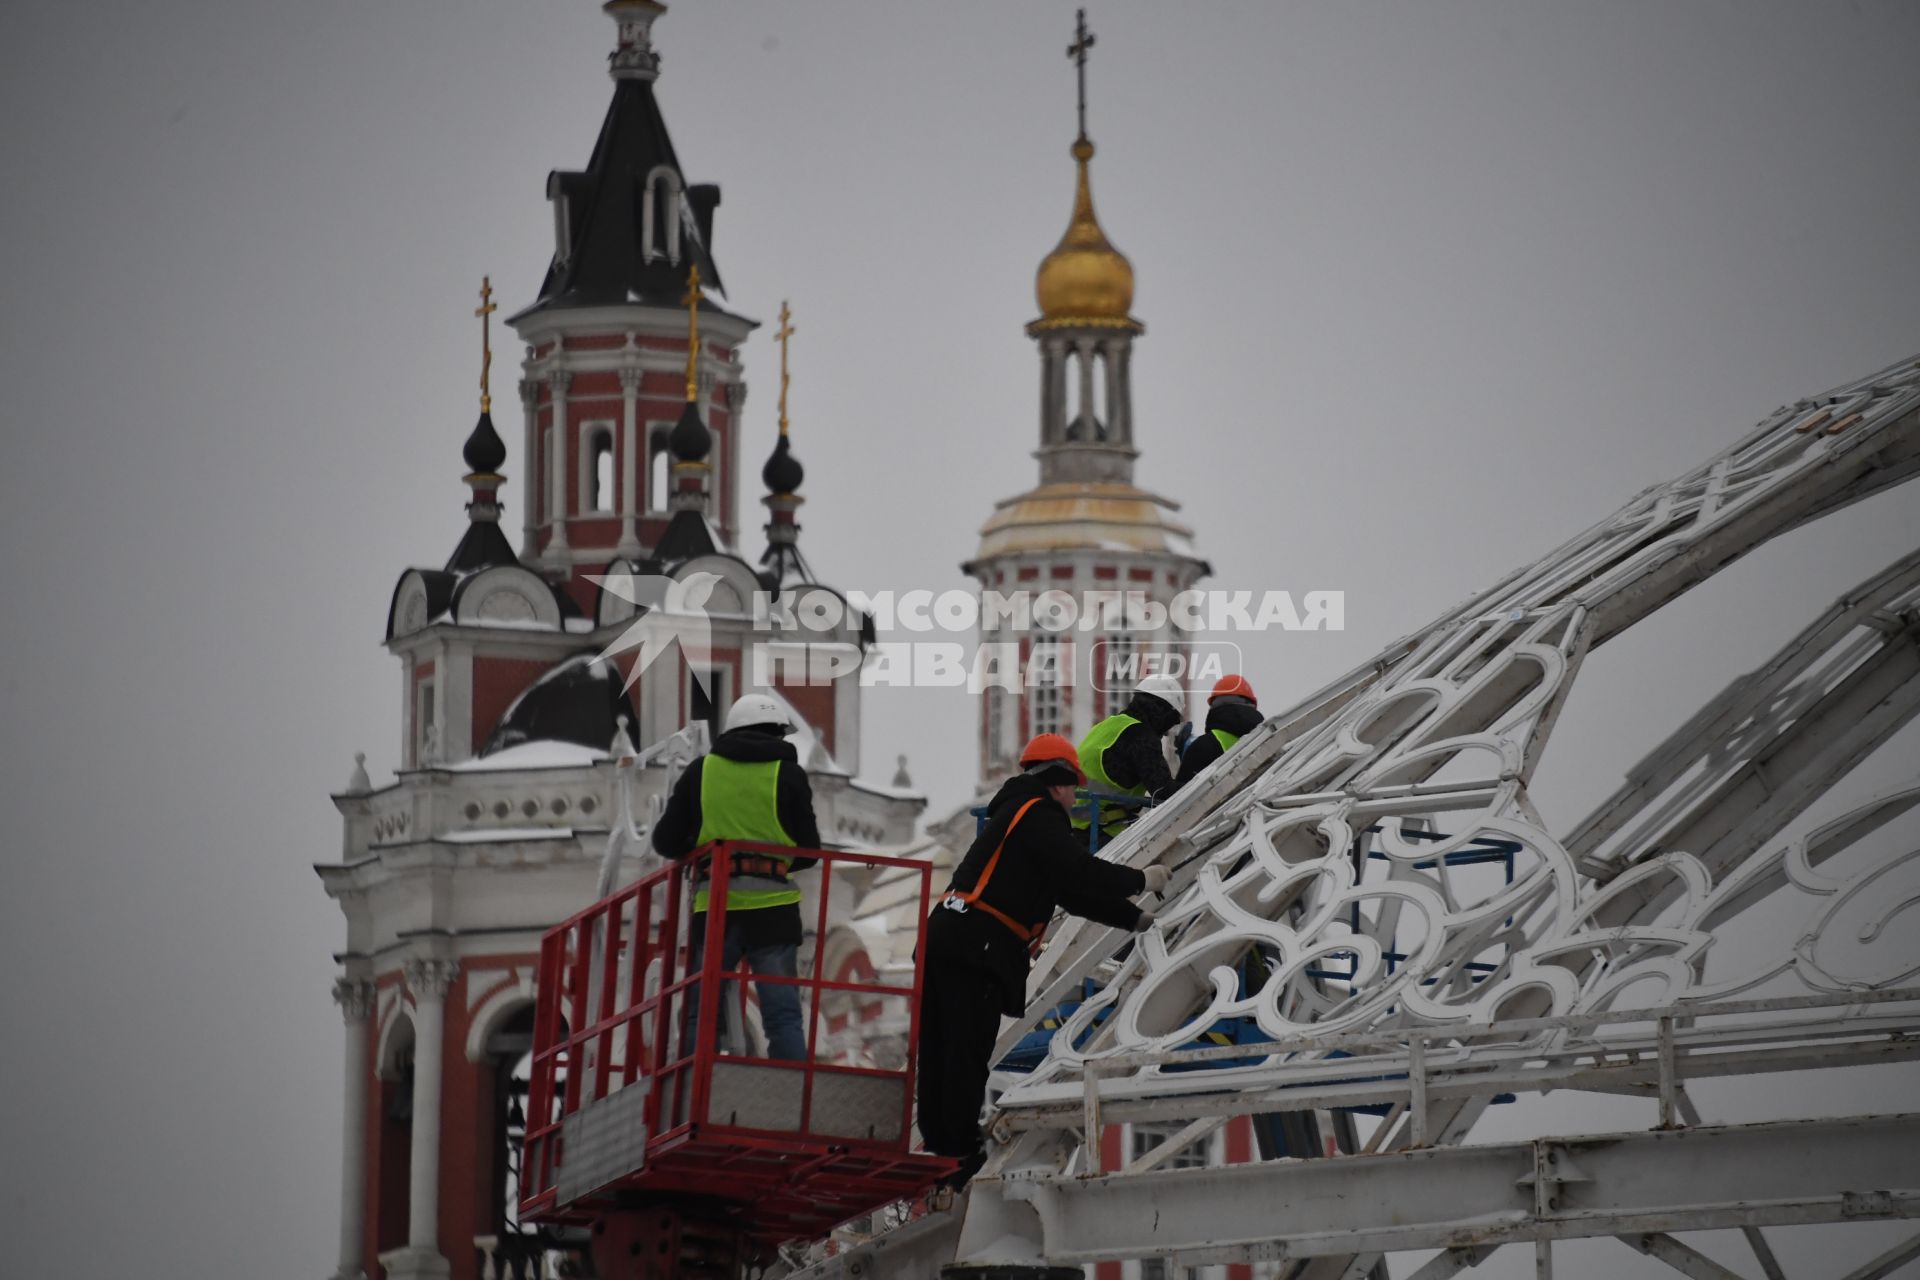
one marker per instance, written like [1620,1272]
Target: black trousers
[959,1021]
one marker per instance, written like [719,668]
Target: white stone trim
[514,989]
[394,1015]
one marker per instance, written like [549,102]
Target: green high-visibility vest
[739,800]
[1093,762]
[1225,739]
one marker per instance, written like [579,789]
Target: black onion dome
[690,439]
[485,452]
[578,701]
[783,472]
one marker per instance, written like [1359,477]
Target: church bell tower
[1086,529]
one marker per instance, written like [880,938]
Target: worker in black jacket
[1025,862]
[1232,713]
[1125,754]
[749,787]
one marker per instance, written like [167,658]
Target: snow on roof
[540,754]
[890,791]
[813,753]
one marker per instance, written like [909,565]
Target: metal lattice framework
[1366,896]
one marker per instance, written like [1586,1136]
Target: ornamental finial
[785,331]
[486,309]
[1082,41]
[634,57]
[691,301]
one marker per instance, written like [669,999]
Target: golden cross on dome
[1082,41]
[785,331]
[691,300]
[486,308]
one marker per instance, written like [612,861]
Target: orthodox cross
[1082,41]
[486,308]
[785,331]
[691,300]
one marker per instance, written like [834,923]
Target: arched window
[1045,676]
[600,486]
[660,215]
[1086,390]
[1120,670]
[392,1169]
[508,1246]
[659,468]
[1097,409]
[993,700]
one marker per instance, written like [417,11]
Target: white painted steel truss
[1367,902]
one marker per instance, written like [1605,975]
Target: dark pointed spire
[783,473]
[483,545]
[627,226]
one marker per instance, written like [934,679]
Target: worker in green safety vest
[1125,753]
[750,787]
[1232,713]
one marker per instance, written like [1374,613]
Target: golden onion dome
[1085,280]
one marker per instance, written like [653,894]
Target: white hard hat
[1166,688]
[758,708]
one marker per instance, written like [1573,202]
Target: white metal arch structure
[1335,899]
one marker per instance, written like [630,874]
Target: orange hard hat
[1051,748]
[1233,687]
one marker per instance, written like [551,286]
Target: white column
[1116,414]
[558,382]
[530,459]
[629,466]
[429,981]
[356,1003]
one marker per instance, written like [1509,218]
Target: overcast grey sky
[1428,288]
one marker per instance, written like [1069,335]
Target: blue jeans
[779,1001]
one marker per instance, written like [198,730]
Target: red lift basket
[621,1106]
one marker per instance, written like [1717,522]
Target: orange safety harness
[960,902]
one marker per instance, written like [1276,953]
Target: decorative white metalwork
[1340,851]
[1366,899]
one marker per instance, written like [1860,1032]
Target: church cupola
[483,545]
[783,474]
[689,532]
[614,449]
[1085,331]
[1086,527]
[1085,281]
[690,440]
